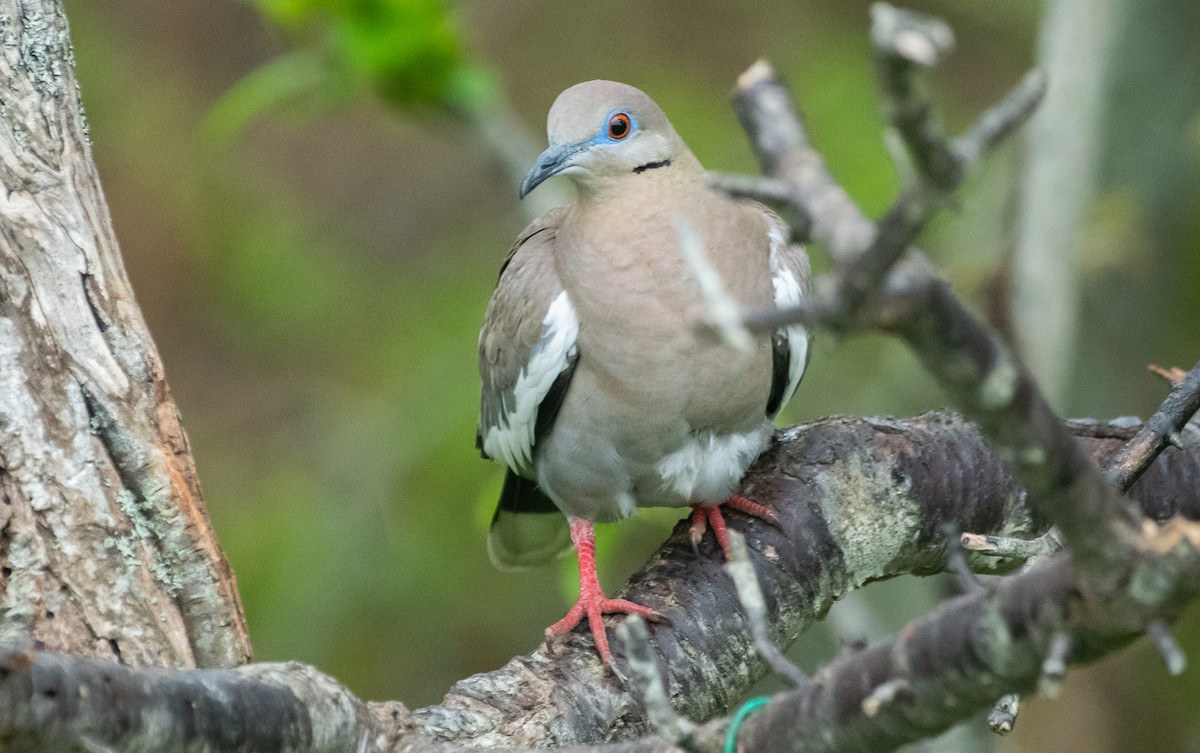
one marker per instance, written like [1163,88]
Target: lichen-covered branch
[956,662]
[857,499]
[968,358]
[985,379]
[108,552]
[58,702]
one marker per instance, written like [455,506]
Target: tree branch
[905,40]
[1161,429]
[958,661]
[985,379]
[966,357]
[942,165]
[858,500]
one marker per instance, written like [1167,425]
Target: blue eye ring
[620,124]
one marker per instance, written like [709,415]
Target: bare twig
[1160,635]
[810,311]
[741,571]
[984,377]
[765,109]
[724,314]
[1174,374]
[1162,429]
[870,251]
[918,203]
[956,560]
[904,41]
[999,120]
[994,639]
[1122,471]
[1054,666]
[778,194]
[646,680]
[757,187]
[967,357]
[1005,546]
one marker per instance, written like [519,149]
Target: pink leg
[592,601]
[705,516]
[751,508]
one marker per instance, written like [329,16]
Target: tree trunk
[105,544]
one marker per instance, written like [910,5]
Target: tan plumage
[598,383]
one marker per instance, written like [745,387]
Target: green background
[313,225]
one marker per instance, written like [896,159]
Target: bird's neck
[680,171]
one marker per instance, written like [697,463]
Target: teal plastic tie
[745,710]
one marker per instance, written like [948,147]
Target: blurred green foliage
[408,52]
[316,284]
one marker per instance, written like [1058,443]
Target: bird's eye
[618,126]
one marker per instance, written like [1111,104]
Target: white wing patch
[511,441]
[788,293]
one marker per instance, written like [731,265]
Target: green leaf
[288,78]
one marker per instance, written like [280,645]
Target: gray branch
[1163,428]
[857,499]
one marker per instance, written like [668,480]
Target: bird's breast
[641,313]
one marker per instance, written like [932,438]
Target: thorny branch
[1163,428]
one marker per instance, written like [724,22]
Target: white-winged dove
[601,392]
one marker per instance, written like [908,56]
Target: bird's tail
[527,528]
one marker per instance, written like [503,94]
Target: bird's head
[599,130]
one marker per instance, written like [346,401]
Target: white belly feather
[707,467]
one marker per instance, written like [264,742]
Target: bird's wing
[527,355]
[790,276]
[527,350]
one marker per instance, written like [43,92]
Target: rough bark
[858,500]
[105,546]
[107,552]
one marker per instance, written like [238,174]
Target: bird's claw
[594,606]
[706,516]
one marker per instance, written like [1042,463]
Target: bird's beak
[551,162]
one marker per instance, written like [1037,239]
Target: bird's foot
[706,516]
[703,518]
[752,508]
[592,602]
[594,605]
